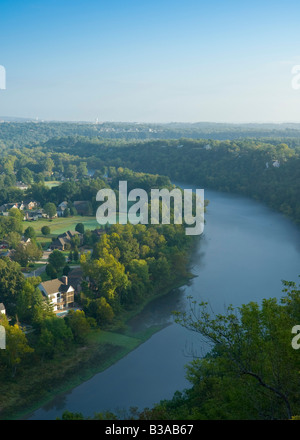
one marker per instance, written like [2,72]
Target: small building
[59,243]
[30,204]
[63,240]
[59,292]
[7,206]
[61,208]
[33,215]
[22,186]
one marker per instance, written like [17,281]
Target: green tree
[45,346]
[17,347]
[79,325]
[57,259]
[79,228]
[27,253]
[11,283]
[62,334]
[251,343]
[30,232]
[67,212]
[13,239]
[50,209]
[66,269]
[100,310]
[45,230]
[51,271]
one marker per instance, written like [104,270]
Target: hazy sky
[152,61]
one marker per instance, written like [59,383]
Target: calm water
[244,253]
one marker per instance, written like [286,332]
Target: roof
[55,286]
[68,235]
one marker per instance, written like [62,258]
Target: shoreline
[114,352]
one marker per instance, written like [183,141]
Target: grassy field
[52,183]
[61,224]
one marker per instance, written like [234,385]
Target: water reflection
[245,252]
[159,311]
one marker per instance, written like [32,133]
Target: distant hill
[15,119]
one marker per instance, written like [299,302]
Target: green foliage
[50,209]
[26,253]
[51,271]
[30,232]
[11,283]
[79,325]
[57,259]
[45,230]
[79,228]
[56,336]
[251,372]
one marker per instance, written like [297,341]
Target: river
[244,253]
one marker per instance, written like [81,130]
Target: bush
[45,230]
[80,228]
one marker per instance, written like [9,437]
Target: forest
[130,264]
[266,171]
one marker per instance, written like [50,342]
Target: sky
[150,61]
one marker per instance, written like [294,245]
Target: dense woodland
[128,264]
[244,167]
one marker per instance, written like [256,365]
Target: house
[59,243]
[31,204]
[25,241]
[19,205]
[63,240]
[63,205]
[61,208]
[59,292]
[7,206]
[2,309]
[33,215]
[22,186]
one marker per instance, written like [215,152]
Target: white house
[61,208]
[59,292]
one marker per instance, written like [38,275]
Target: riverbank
[40,384]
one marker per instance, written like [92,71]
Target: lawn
[61,224]
[52,183]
